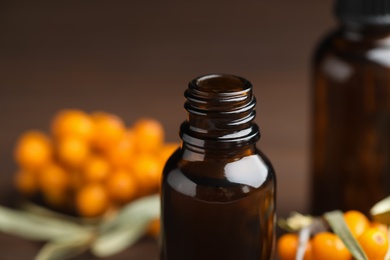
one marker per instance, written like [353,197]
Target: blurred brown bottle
[218,189]
[351,119]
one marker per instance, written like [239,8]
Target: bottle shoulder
[252,170]
[219,181]
[353,48]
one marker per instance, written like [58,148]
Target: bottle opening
[220,108]
[222,83]
[219,92]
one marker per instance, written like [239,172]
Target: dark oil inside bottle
[218,190]
[216,218]
[351,130]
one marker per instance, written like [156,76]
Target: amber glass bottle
[351,123]
[218,190]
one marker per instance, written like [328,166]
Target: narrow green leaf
[316,225]
[130,225]
[35,227]
[282,223]
[381,211]
[304,236]
[295,222]
[117,240]
[65,248]
[387,257]
[337,223]
[38,210]
[146,206]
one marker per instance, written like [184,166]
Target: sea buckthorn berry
[379,226]
[33,150]
[375,243]
[287,247]
[76,180]
[95,169]
[147,172]
[121,186]
[167,150]
[149,134]
[53,177]
[122,155]
[154,228]
[92,200]
[326,246]
[72,123]
[109,130]
[56,198]
[54,182]
[356,221]
[309,251]
[26,182]
[93,162]
[72,151]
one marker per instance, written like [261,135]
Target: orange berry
[95,169]
[121,155]
[167,150]
[56,199]
[309,252]
[54,183]
[53,177]
[326,245]
[149,134]
[26,182]
[287,247]
[33,150]
[375,243]
[76,180]
[92,200]
[379,226]
[72,151]
[109,130]
[72,123]
[121,186]
[147,172]
[356,221]
[154,228]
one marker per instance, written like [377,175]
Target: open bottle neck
[197,153]
[221,110]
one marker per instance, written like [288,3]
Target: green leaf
[38,210]
[387,257]
[337,223]
[295,222]
[303,238]
[35,227]
[65,248]
[143,207]
[129,225]
[381,211]
[317,225]
[117,240]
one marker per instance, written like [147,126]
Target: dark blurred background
[135,58]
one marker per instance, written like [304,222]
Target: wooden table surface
[135,59]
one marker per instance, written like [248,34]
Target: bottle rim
[221,109]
